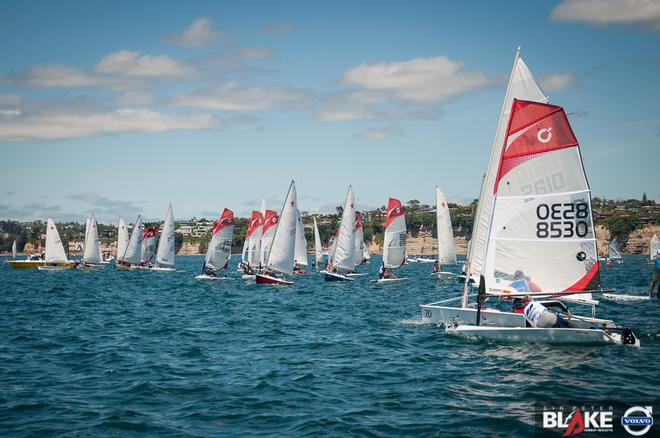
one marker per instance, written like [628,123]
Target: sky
[121,108]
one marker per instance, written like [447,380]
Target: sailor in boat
[34,258]
[384,272]
[209,272]
[656,276]
[296,268]
[538,316]
[436,266]
[247,269]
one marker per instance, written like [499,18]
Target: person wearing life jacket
[436,266]
[656,276]
[538,316]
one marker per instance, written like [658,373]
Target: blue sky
[123,107]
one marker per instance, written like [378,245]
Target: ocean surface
[117,353]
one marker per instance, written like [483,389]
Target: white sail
[394,241]
[133,251]
[54,248]
[219,251]
[13,250]
[654,247]
[614,252]
[165,253]
[92,253]
[318,246]
[366,254]
[300,253]
[122,239]
[446,247]
[523,86]
[342,255]
[358,253]
[244,252]
[268,232]
[282,251]
[254,232]
[541,238]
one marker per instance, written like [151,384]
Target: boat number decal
[428,313]
[562,220]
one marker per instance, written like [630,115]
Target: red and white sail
[253,238]
[358,253]
[542,223]
[54,247]
[342,256]
[149,244]
[133,251]
[268,232]
[522,85]
[394,241]
[219,250]
[446,246]
[300,253]
[122,239]
[282,251]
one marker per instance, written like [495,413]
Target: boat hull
[58,267]
[391,280]
[552,336]
[331,276]
[626,298]
[25,264]
[203,277]
[447,315]
[267,279]
[159,269]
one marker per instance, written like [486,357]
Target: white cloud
[419,80]
[350,105]
[119,70]
[556,81]
[380,134]
[199,34]
[645,13]
[232,97]
[9,99]
[63,120]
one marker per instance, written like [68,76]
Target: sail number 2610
[563,220]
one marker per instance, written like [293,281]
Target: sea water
[98,353]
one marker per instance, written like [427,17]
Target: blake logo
[632,423]
[542,137]
[579,420]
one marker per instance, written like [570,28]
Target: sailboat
[219,250]
[253,239]
[165,252]
[55,259]
[341,254]
[446,246]
[300,252]
[318,247]
[92,254]
[122,239]
[541,239]
[13,249]
[268,232]
[360,247]
[282,251]
[149,246]
[131,257]
[394,242]
[654,248]
[613,252]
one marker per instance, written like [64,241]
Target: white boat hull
[552,336]
[390,280]
[626,298]
[444,275]
[159,269]
[356,274]
[432,313]
[203,277]
[54,268]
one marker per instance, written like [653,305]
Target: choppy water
[122,353]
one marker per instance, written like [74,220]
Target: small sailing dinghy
[13,250]
[300,252]
[614,253]
[92,258]
[267,233]
[165,252]
[318,247]
[122,238]
[149,246]
[253,253]
[360,247]
[132,256]
[282,251]
[55,258]
[446,246]
[219,250]
[341,254]
[394,242]
[541,239]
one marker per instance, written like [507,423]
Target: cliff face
[638,241]
[189,248]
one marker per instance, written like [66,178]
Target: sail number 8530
[563,220]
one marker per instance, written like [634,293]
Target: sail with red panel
[394,241]
[541,237]
[270,223]
[253,237]
[219,250]
[358,254]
